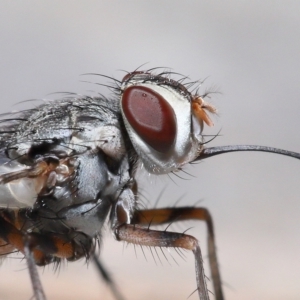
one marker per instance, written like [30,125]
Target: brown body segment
[46,247]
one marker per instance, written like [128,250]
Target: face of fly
[164,120]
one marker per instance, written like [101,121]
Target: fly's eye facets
[151,116]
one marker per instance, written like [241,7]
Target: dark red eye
[151,116]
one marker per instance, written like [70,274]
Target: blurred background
[250,53]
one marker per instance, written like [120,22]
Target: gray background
[249,51]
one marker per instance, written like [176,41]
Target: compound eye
[151,116]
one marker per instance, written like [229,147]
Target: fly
[69,165]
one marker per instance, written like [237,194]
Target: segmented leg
[174,214]
[107,278]
[153,238]
[34,276]
[15,239]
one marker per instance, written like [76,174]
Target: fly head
[164,120]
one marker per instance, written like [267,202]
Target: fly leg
[15,239]
[153,238]
[107,278]
[34,275]
[174,214]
